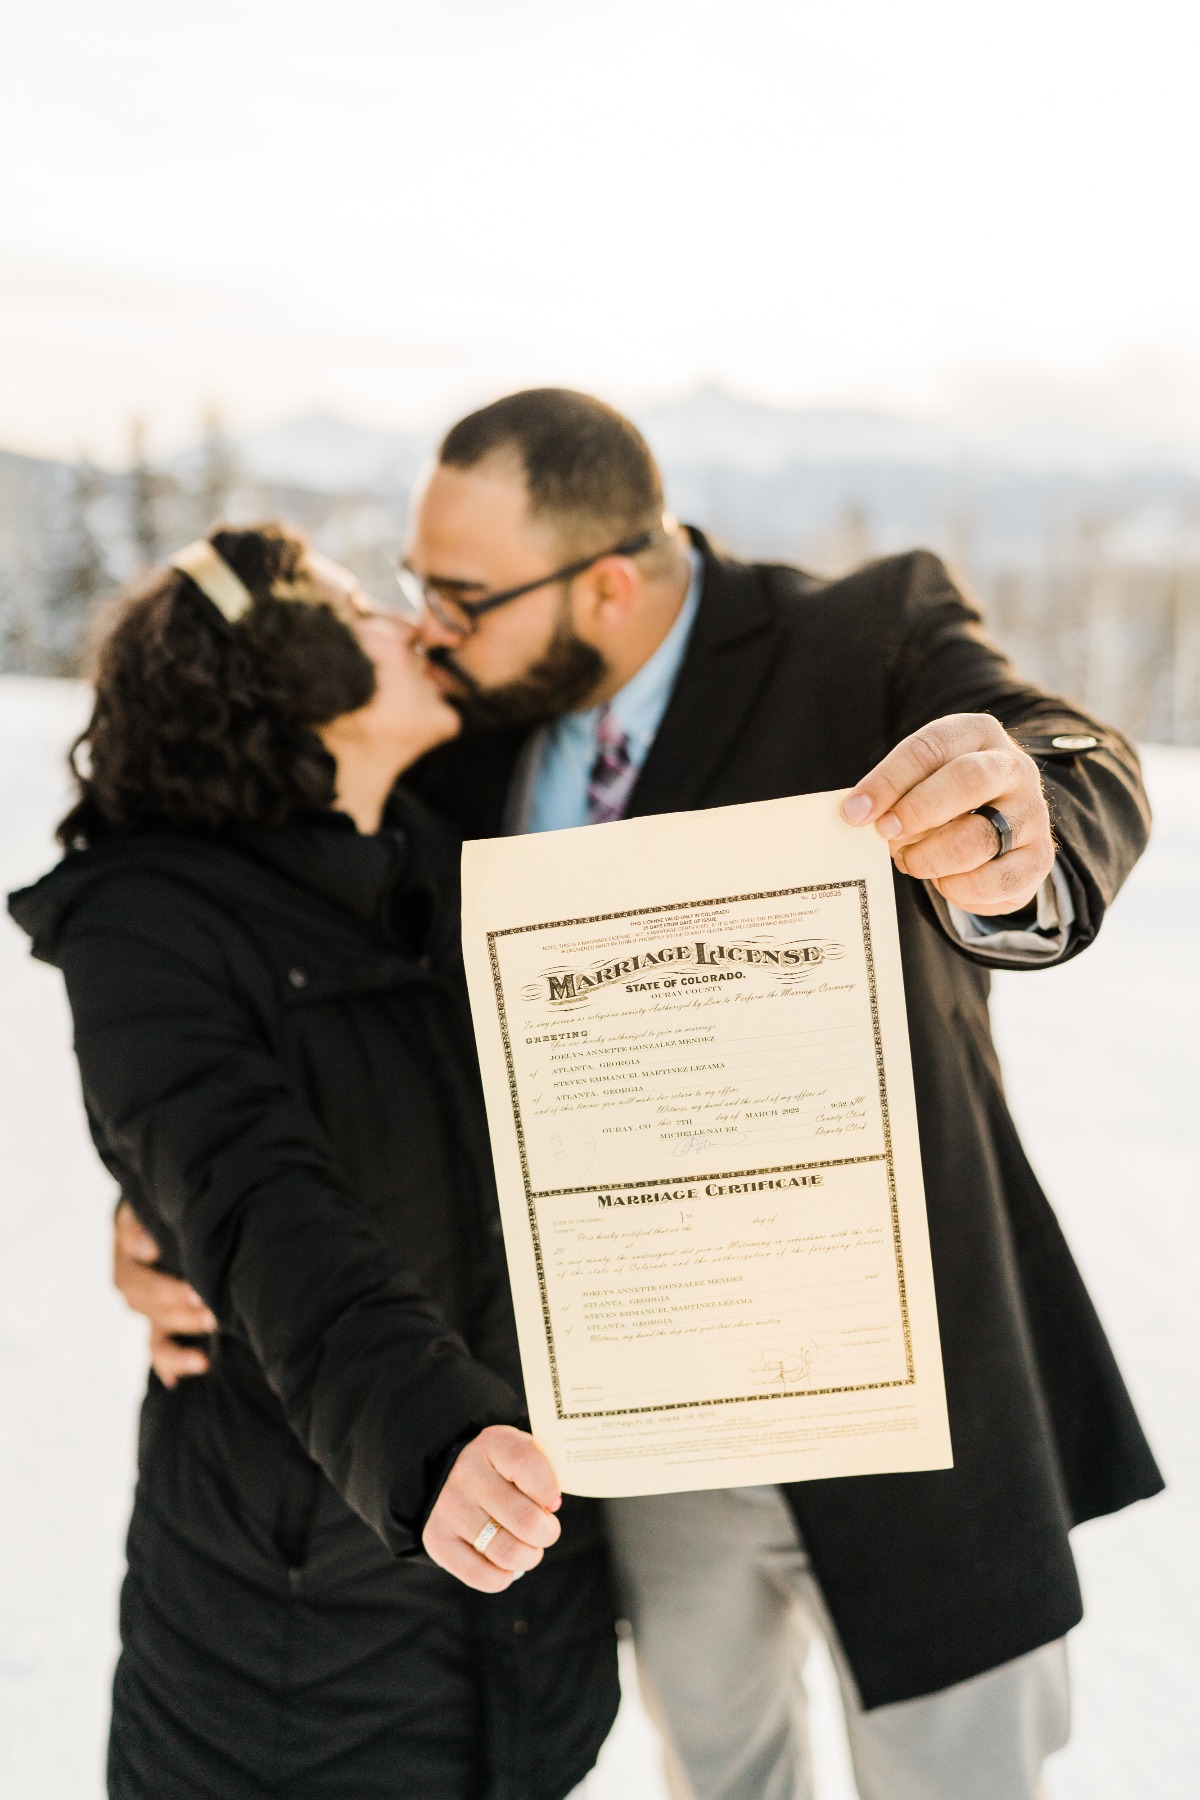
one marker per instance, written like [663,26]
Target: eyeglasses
[453,613]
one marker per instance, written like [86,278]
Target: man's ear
[605,598]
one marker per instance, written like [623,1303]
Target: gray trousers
[723,1604]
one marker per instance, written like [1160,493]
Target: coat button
[298,977]
[521,1627]
[1074,741]
[295,1579]
[426,962]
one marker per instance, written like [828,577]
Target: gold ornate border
[886,1156]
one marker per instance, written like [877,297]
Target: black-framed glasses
[453,613]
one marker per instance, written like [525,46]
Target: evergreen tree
[218,471]
[75,577]
[145,487]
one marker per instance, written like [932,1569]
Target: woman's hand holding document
[695,1057]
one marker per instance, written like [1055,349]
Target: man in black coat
[553,588]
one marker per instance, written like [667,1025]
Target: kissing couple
[352,1573]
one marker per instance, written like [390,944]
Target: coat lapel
[729,657]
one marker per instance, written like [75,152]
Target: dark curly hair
[199,724]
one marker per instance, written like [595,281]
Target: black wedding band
[1003,829]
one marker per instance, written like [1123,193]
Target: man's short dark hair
[588,470]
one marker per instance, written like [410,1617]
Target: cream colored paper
[695,1058]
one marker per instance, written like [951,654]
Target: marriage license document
[695,1059]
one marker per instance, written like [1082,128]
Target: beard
[558,682]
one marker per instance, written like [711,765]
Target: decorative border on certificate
[886,1157]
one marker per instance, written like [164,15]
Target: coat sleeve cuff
[462,1400]
[1015,941]
[439,1476]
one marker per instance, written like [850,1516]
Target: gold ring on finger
[485,1536]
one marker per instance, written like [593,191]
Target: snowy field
[1103,1071]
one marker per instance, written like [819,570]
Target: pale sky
[392,208]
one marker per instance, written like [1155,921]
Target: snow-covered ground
[1102,1066]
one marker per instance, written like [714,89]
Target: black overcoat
[794,685]
[277,1065]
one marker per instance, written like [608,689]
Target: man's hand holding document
[695,1057]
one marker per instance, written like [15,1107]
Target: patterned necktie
[612,777]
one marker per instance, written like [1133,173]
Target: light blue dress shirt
[562,755]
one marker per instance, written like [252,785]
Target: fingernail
[856,808]
[195,1300]
[889,826]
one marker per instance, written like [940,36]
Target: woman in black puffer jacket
[260,949]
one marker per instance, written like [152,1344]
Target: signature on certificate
[783,1370]
[787,1368]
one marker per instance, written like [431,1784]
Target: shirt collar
[639,706]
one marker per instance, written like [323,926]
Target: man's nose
[431,635]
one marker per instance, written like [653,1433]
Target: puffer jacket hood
[401,884]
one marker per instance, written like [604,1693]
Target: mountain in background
[708,428]
[1093,578]
[713,428]
[329,455]
[827,486]
[717,429]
